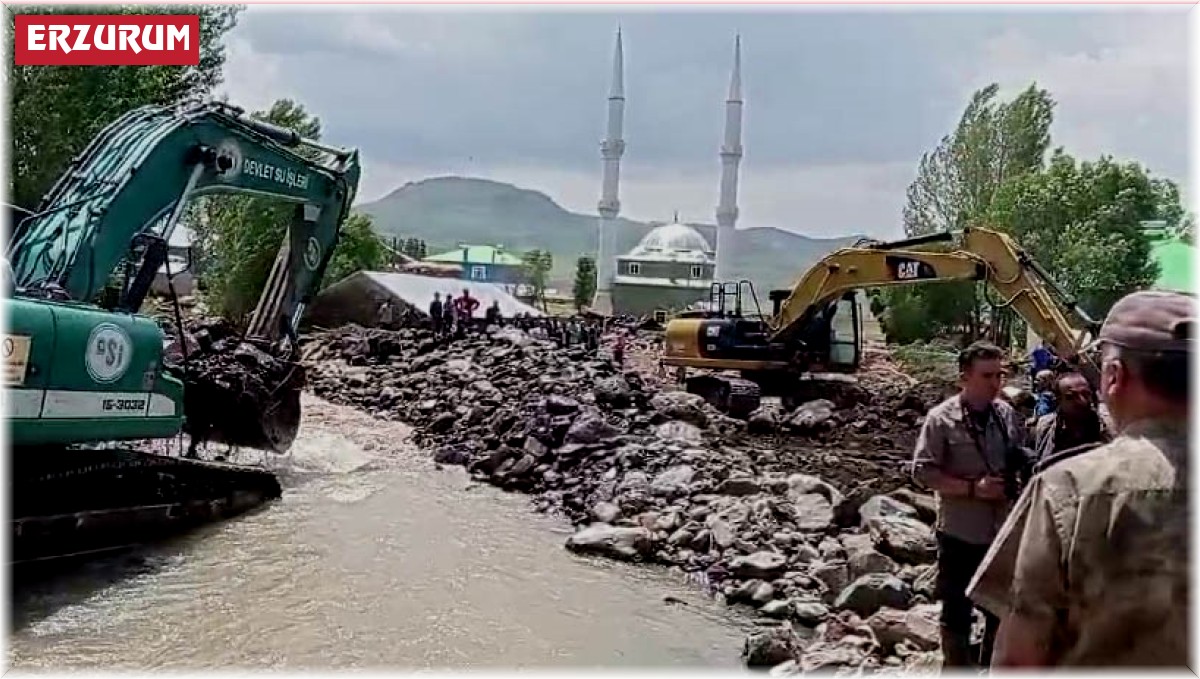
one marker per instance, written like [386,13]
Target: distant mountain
[445,211]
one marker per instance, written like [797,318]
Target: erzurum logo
[107,40]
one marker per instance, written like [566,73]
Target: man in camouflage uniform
[962,453]
[1091,568]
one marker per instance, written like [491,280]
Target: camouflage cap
[1151,320]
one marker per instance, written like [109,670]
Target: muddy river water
[373,558]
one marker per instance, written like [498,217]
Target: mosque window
[697,271]
[634,269]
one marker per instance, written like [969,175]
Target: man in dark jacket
[435,314]
[492,315]
[1074,422]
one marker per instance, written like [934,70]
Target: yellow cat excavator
[815,328]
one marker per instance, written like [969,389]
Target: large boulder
[761,565]
[880,506]
[835,575]
[809,613]
[801,484]
[870,593]
[590,427]
[674,481]
[680,405]
[919,626]
[811,416]
[771,647]
[925,505]
[618,542]
[765,419]
[812,512]
[679,431]
[902,538]
[613,391]
[863,558]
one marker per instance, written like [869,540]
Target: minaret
[611,150]
[731,156]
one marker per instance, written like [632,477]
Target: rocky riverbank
[805,516]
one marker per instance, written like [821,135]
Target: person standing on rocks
[1092,567]
[492,315]
[386,315]
[619,350]
[963,453]
[1074,422]
[448,315]
[435,314]
[466,306]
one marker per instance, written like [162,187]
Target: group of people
[454,316]
[566,332]
[1071,535]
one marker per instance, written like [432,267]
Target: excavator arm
[130,186]
[97,369]
[982,255]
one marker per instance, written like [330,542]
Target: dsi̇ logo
[107,40]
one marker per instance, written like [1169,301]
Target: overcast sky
[839,106]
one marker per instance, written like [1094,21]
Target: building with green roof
[1173,255]
[483,263]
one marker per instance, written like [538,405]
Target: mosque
[674,265]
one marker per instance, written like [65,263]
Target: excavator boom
[803,333]
[983,255]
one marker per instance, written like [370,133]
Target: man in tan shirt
[962,453]
[1092,569]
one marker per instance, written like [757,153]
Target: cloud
[1124,94]
[839,106]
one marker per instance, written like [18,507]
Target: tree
[1081,221]
[57,110]
[955,185]
[422,250]
[359,249]
[585,282]
[992,143]
[537,265]
[238,237]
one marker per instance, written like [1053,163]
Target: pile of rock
[659,476]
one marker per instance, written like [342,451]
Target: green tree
[585,282]
[238,237]
[1081,221]
[956,183]
[537,265]
[422,250]
[359,249]
[56,110]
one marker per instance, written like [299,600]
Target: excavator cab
[846,334]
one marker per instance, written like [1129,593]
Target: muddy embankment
[806,517]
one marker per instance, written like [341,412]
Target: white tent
[356,298]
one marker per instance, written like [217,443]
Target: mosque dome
[672,241]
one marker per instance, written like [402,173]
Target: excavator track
[733,396]
[75,501]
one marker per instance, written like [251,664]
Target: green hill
[445,211]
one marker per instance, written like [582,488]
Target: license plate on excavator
[16,359]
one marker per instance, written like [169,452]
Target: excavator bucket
[241,393]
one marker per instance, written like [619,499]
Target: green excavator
[94,397]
